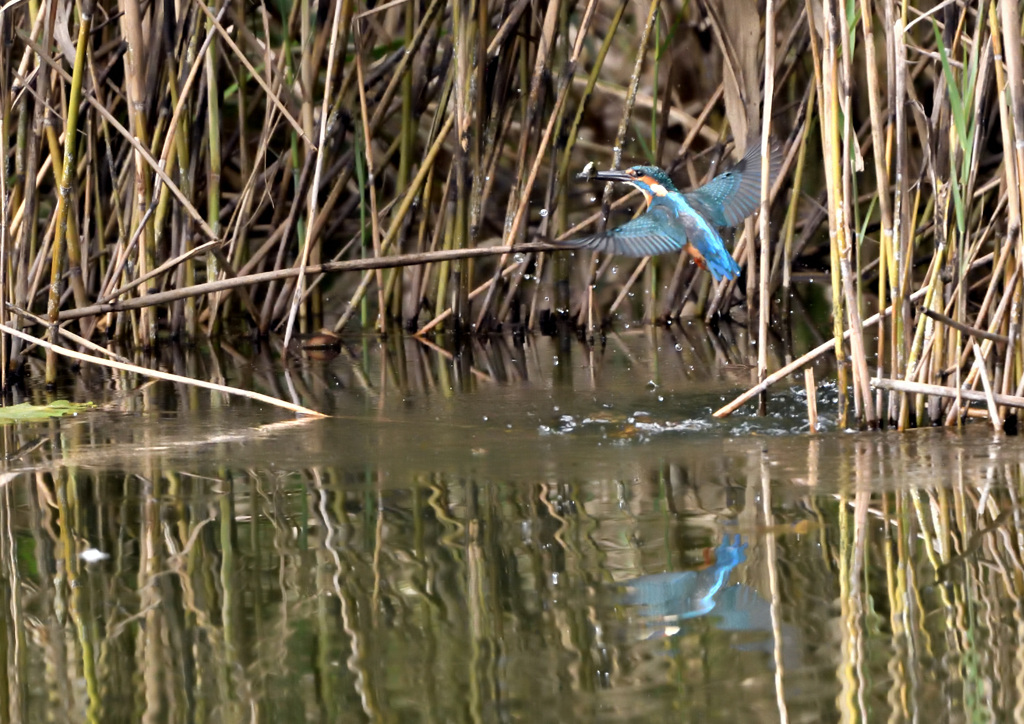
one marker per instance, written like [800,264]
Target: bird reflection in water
[659,604]
[661,600]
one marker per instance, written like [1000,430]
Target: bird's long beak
[611,176]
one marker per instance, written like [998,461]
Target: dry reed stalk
[113,364]
[837,200]
[371,263]
[530,111]
[800,362]
[764,273]
[922,388]
[1014,59]
[313,193]
[67,334]
[5,197]
[812,398]
[407,201]
[620,135]
[998,318]
[878,150]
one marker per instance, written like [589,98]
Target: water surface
[542,531]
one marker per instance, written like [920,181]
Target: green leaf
[36,413]
[955,101]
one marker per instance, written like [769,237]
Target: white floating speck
[93,555]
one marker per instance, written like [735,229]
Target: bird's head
[651,180]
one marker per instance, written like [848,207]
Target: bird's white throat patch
[658,190]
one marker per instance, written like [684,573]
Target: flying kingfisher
[690,220]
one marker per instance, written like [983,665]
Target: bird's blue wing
[655,232]
[731,197]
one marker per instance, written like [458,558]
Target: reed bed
[180,171]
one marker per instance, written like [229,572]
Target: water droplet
[543,213]
[679,348]
[519,257]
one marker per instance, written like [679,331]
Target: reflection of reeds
[331,590]
[431,142]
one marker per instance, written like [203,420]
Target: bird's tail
[719,262]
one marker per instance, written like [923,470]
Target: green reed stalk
[64,189]
[73,241]
[785,262]
[214,159]
[179,133]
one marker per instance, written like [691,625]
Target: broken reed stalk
[799,363]
[922,388]
[157,374]
[237,282]
[812,399]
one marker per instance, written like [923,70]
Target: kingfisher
[690,221]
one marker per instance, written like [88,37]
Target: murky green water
[538,532]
